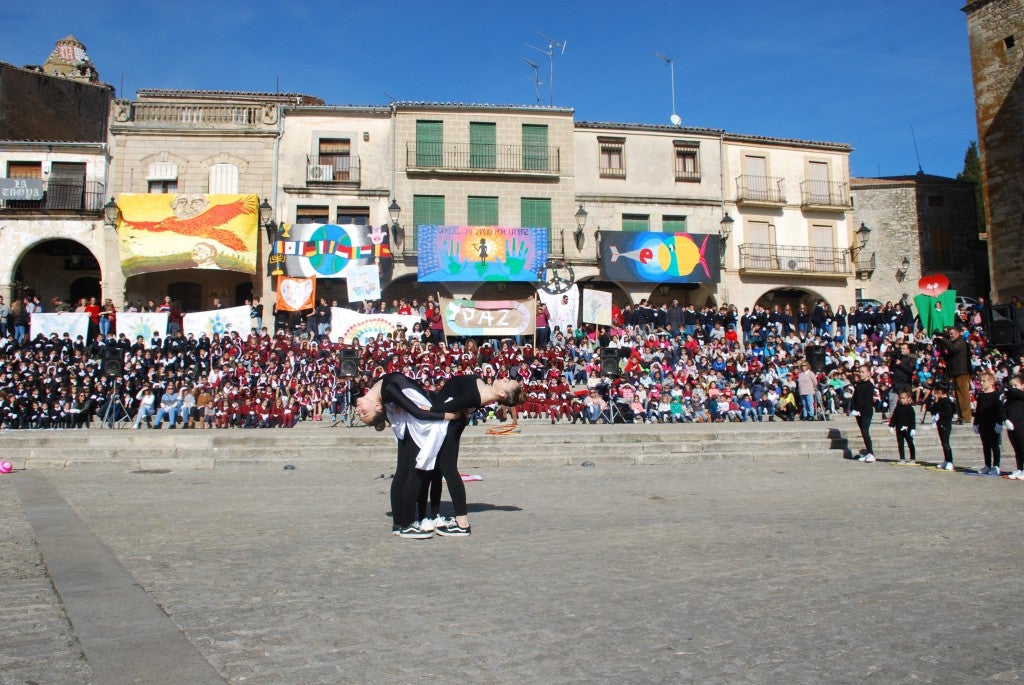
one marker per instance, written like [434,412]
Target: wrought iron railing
[61,195]
[169,114]
[332,169]
[794,258]
[824,194]
[767,189]
[482,158]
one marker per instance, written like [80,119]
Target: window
[760,247]
[535,147]
[535,212]
[636,223]
[612,163]
[335,153]
[427,210]
[673,224]
[162,177]
[482,211]
[305,214]
[1009,42]
[817,184]
[482,136]
[939,249]
[25,170]
[823,255]
[359,216]
[66,186]
[686,159]
[163,187]
[429,143]
[223,179]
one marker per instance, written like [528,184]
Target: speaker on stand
[349,365]
[609,361]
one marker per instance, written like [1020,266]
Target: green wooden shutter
[429,143]
[482,211]
[636,223]
[673,224]
[427,210]
[482,136]
[536,213]
[535,147]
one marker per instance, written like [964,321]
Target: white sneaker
[1016,475]
[946,466]
[427,525]
[441,521]
[869,458]
[862,457]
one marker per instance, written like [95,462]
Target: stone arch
[50,266]
[620,295]
[697,294]
[504,290]
[224,158]
[792,295]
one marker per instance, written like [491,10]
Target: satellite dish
[675,119]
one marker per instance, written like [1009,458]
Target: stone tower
[69,60]
[996,33]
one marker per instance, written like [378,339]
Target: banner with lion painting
[164,232]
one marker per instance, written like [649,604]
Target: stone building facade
[996,35]
[919,224]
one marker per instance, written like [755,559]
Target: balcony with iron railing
[765,191]
[332,169]
[474,158]
[795,260]
[194,115]
[825,195]
[60,196]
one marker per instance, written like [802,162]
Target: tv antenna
[536,77]
[550,52]
[675,119]
[916,153]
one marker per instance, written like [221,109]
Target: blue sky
[860,72]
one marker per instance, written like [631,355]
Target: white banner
[563,308]
[134,324]
[73,323]
[363,283]
[218,321]
[597,307]
[347,325]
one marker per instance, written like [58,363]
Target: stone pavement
[804,569]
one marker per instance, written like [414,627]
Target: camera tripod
[111,417]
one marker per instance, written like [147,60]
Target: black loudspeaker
[1003,333]
[609,361]
[112,364]
[349,366]
[816,358]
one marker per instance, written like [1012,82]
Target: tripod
[111,417]
[346,410]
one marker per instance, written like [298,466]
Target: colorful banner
[363,283]
[134,324]
[597,307]
[347,325]
[489,317]
[162,232]
[295,294]
[480,253]
[329,250]
[73,323]
[563,308]
[219,321]
[630,257]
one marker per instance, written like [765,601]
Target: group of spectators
[654,364]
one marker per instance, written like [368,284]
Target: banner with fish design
[650,257]
[480,253]
[329,250]
[164,232]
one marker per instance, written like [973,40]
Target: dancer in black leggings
[863,408]
[419,431]
[460,394]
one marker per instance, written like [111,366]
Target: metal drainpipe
[725,258]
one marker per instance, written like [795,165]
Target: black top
[458,393]
[989,410]
[864,397]
[904,416]
[391,389]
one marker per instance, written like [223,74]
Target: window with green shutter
[535,147]
[535,212]
[429,143]
[673,224]
[482,211]
[427,210]
[636,223]
[482,136]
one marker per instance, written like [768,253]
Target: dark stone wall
[34,106]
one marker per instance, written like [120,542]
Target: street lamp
[397,232]
[267,221]
[581,222]
[724,231]
[863,233]
[110,213]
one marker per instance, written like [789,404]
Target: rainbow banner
[489,317]
[480,253]
[347,325]
[329,250]
[630,257]
[164,232]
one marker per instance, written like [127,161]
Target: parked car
[967,302]
[869,302]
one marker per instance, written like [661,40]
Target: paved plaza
[806,569]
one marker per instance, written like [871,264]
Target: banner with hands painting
[480,253]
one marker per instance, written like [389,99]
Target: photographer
[958,368]
[902,366]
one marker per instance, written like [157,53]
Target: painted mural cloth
[480,253]
[489,317]
[347,325]
[73,323]
[329,250]
[630,257]
[295,294]
[146,324]
[597,307]
[219,321]
[164,232]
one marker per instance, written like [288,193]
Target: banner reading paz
[489,317]
[164,232]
